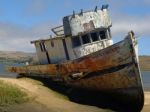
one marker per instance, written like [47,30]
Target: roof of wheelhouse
[51,38]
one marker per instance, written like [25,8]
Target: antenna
[73,14]
[81,13]
[96,9]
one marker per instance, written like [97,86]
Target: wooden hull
[114,69]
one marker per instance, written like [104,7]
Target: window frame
[79,43]
[83,37]
[98,39]
[105,34]
[43,47]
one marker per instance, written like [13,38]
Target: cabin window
[102,34]
[42,46]
[94,37]
[85,39]
[76,41]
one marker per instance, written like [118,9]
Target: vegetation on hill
[15,56]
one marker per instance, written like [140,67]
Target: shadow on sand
[99,99]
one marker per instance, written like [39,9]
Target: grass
[11,94]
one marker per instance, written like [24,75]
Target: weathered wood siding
[55,51]
[41,55]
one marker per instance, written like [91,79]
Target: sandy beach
[46,99]
[147,102]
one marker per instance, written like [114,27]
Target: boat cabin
[81,34]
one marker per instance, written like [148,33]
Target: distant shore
[144,63]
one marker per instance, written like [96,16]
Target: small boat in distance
[83,55]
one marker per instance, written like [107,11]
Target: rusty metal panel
[88,21]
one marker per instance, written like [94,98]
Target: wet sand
[54,98]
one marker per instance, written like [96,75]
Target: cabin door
[65,49]
[44,49]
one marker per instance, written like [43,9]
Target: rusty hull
[114,69]
[116,66]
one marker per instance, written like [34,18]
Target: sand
[47,100]
[147,102]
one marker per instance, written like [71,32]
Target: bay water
[4,65]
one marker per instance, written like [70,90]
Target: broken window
[94,37]
[42,46]
[85,39]
[102,34]
[76,41]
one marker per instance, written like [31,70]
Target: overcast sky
[22,21]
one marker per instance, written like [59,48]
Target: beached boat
[83,55]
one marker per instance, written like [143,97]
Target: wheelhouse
[81,34]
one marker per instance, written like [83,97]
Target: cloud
[124,23]
[14,37]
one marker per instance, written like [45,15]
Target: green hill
[16,56]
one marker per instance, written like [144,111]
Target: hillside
[16,56]
[144,62]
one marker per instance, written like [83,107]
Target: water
[146,79]
[4,73]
